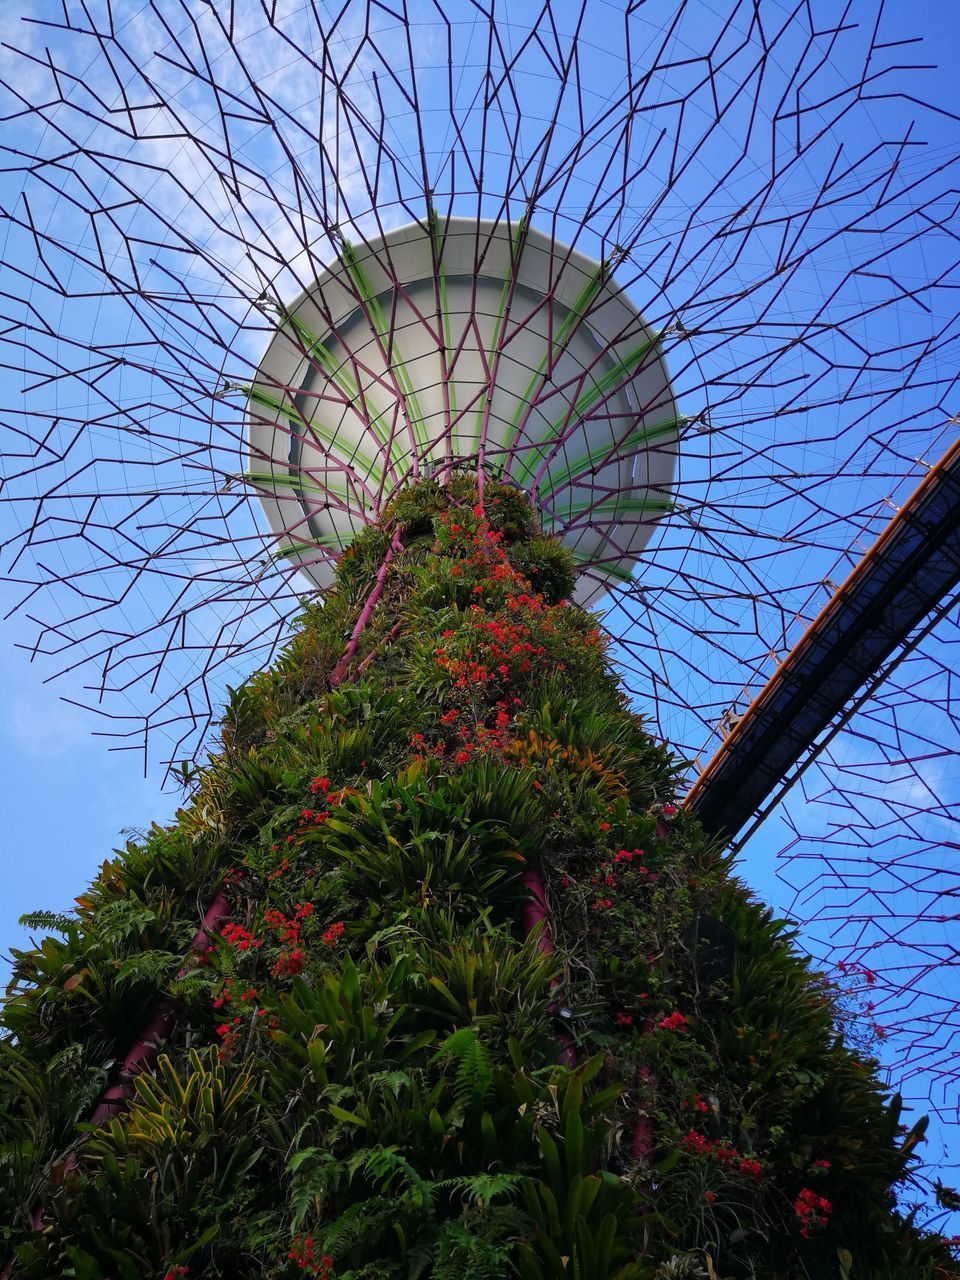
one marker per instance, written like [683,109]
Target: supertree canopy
[464,342]
[353,353]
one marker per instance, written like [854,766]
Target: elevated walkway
[905,575]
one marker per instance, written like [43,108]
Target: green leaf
[668,1162]
[347,1117]
[551,1158]
[201,1241]
[84,1267]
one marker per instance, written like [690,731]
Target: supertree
[364,349]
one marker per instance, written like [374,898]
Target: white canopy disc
[464,344]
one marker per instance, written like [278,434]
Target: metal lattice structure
[764,194]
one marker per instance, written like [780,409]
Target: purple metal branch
[340,670]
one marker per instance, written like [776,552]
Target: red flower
[288,964]
[235,935]
[333,934]
[229,1035]
[288,931]
[673,1022]
[812,1210]
[604,826]
[301,1252]
[224,997]
[624,1020]
[696,1103]
[695,1143]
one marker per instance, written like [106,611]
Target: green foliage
[366,1056]
[549,566]
[156,1183]
[52,921]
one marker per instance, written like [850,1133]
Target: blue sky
[66,797]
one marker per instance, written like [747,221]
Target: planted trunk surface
[433,978]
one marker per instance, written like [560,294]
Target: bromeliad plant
[375,1069]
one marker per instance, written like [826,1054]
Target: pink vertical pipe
[533,914]
[143,1052]
[643,1135]
[534,911]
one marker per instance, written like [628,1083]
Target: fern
[482,1189]
[124,918]
[397,1082]
[364,1223]
[474,1073]
[148,966]
[315,1175]
[389,1170]
[67,1061]
[51,921]
[461,1252]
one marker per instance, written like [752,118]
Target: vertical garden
[432,977]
